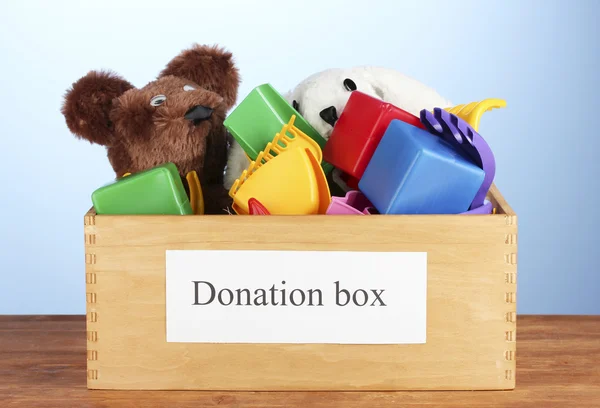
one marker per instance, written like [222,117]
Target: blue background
[540,56]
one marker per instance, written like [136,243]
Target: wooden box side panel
[471,306]
[501,206]
[90,296]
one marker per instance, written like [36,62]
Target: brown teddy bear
[177,118]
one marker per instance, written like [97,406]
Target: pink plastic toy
[354,203]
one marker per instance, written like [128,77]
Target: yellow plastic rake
[291,134]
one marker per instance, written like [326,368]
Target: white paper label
[335,297]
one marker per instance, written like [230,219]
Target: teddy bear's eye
[296,105]
[349,84]
[158,100]
[188,88]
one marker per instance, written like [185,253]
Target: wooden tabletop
[43,361]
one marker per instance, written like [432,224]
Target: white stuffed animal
[321,99]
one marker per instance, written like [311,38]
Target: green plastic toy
[260,116]
[155,191]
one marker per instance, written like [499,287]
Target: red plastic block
[358,131]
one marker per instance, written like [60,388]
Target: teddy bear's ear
[88,102]
[210,67]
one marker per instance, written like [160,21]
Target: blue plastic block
[415,172]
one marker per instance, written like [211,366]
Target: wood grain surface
[43,364]
[471,304]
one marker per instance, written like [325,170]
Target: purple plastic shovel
[467,142]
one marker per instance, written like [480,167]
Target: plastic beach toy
[260,115]
[286,177]
[256,208]
[291,136]
[458,133]
[354,202]
[196,195]
[486,208]
[158,190]
[416,172]
[472,112]
[291,183]
[358,131]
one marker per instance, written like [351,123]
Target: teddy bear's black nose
[329,115]
[198,113]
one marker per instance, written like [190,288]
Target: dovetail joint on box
[92,374]
[91,296]
[510,297]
